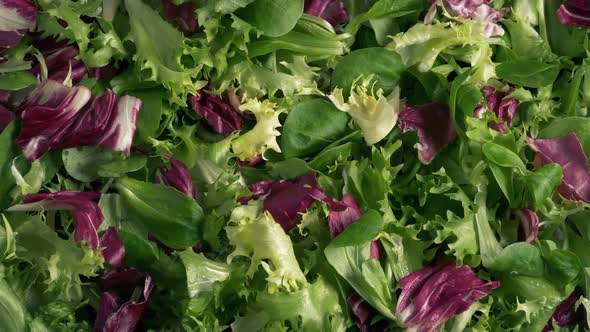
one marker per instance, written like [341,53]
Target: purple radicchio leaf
[83,208]
[434,126]
[181,16]
[529,225]
[566,151]
[177,176]
[124,299]
[332,11]
[504,108]
[249,163]
[6,117]
[59,62]
[575,12]
[342,213]
[103,73]
[429,297]
[285,199]
[4,97]
[566,314]
[221,116]
[477,10]
[17,17]
[114,251]
[55,117]
[362,310]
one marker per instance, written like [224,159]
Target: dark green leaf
[529,73]
[17,80]
[8,151]
[139,252]
[169,215]
[330,156]
[564,40]
[290,169]
[361,231]
[424,87]
[457,84]
[504,178]
[569,101]
[468,97]
[503,156]
[563,267]
[385,65]
[385,8]
[118,168]
[148,119]
[83,163]
[273,17]
[311,126]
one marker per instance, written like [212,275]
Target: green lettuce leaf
[315,307]
[422,44]
[350,255]
[163,54]
[258,236]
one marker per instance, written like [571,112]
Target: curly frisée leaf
[264,134]
[476,10]
[374,113]
[58,263]
[162,51]
[291,78]
[258,236]
[422,44]
[315,307]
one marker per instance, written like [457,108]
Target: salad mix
[294,165]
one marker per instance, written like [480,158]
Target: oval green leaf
[311,126]
[117,168]
[169,215]
[273,17]
[17,80]
[529,73]
[83,163]
[385,65]
[520,258]
[502,156]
